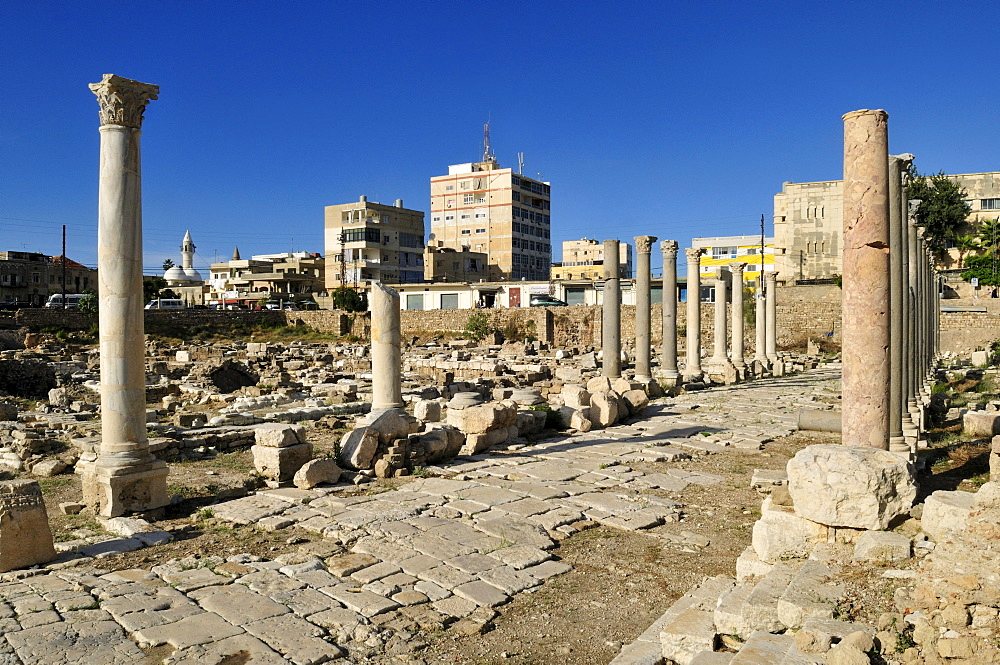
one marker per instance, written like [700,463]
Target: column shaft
[895,305]
[611,313]
[721,355]
[386,348]
[866,280]
[771,316]
[668,363]
[643,246]
[736,270]
[760,320]
[692,367]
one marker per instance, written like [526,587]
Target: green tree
[966,243]
[943,208]
[151,287]
[349,300]
[984,268]
[88,303]
[989,236]
[167,265]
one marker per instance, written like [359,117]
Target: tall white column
[386,349]
[668,363]
[736,270]
[771,315]
[721,355]
[611,328]
[643,247]
[126,477]
[760,320]
[692,369]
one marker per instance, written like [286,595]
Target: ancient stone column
[386,349]
[668,363]
[720,357]
[760,344]
[126,477]
[771,316]
[910,433]
[611,334]
[912,359]
[896,441]
[643,246]
[692,369]
[866,280]
[736,270]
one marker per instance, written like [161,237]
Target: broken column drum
[643,246]
[668,363]
[611,314]
[386,350]
[866,338]
[736,270]
[692,370]
[126,477]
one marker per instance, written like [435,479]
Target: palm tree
[965,244]
[167,264]
[989,236]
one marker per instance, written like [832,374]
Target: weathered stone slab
[25,537]
[196,629]
[882,546]
[945,511]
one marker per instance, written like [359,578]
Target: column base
[111,492]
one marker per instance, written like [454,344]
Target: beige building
[445,264]
[367,241]
[584,259]
[480,207]
[29,278]
[809,216]
[286,277]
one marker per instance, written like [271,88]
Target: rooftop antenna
[520,163]
[487,151]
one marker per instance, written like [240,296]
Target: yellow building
[721,251]
[367,241]
[480,207]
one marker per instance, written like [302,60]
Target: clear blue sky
[672,119]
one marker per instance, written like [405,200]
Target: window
[464,185]
[465,232]
[515,196]
[480,198]
[464,216]
[480,230]
[480,215]
[723,252]
[449,301]
[449,188]
[449,218]
[468,198]
[989,204]
[362,235]
[752,267]
[415,301]
[411,240]
[437,218]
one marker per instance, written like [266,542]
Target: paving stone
[547,569]
[237,604]
[431,590]
[196,629]
[249,509]
[520,556]
[228,650]
[473,563]
[508,579]
[344,565]
[516,531]
[337,618]
[418,564]
[400,580]
[197,578]
[410,597]
[78,643]
[440,548]
[376,572]
[455,606]
[363,602]
[270,582]
[482,594]
[42,618]
[297,639]
[446,576]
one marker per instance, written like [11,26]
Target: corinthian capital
[737,266]
[694,254]
[669,249]
[123,100]
[644,244]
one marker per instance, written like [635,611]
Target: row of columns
[890,295]
[766,318]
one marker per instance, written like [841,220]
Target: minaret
[236,254]
[187,252]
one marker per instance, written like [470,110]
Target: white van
[55,301]
[166,303]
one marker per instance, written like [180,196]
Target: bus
[55,301]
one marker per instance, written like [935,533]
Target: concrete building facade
[480,207]
[30,278]
[285,277]
[446,264]
[723,250]
[367,241]
[809,217]
[584,259]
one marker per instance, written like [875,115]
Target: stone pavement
[434,551]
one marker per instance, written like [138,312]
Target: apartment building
[723,250]
[584,259]
[445,264]
[367,241]
[285,276]
[480,207]
[31,277]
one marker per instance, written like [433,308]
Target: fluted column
[386,349]
[771,316]
[668,363]
[866,280]
[611,341]
[126,477]
[736,270]
[692,369]
[643,247]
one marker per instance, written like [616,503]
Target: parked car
[548,302]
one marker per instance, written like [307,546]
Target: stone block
[981,423]
[575,396]
[483,418]
[980,358]
[392,424]
[278,435]
[604,409]
[748,564]
[781,533]
[280,463]
[477,443]
[845,486]
[441,443]
[358,448]
[882,546]
[691,632]
[316,472]
[945,511]
[636,401]
[427,410]
[25,537]
[809,594]
[530,422]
